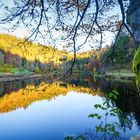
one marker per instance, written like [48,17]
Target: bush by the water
[136,67]
[7,68]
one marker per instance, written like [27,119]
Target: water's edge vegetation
[136,67]
[22,94]
[26,76]
[20,60]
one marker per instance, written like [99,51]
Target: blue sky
[58,35]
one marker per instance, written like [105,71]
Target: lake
[35,110]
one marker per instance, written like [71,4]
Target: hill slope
[18,53]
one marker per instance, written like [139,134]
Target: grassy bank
[121,75]
[6,68]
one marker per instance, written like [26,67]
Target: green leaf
[95,116]
[97,106]
[113,114]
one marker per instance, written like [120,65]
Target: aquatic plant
[76,138]
[107,129]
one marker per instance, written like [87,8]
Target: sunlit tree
[76,23]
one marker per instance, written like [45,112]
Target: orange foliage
[25,97]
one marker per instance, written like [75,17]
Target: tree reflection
[30,93]
[123,101]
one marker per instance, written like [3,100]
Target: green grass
[6,68]
[121,72]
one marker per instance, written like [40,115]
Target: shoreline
[9,77]
[117,75]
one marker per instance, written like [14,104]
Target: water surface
[32,110]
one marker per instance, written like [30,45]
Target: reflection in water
[49,120]
[128,100]
[34,92]
[8,87]
[107,129]
[22,94]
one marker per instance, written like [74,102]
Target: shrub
[37,70]
[136,67]
[6,68]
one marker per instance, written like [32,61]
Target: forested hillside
[18,53]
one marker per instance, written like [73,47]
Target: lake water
[35,110]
